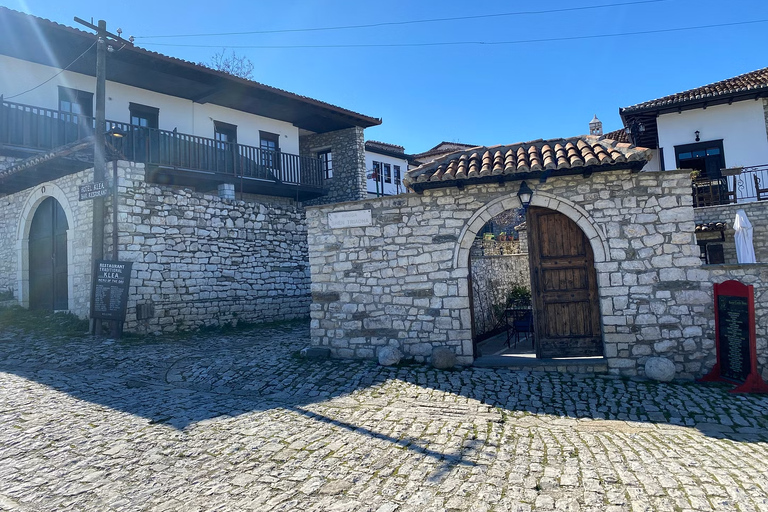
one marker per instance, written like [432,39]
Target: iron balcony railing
[36,128]
[750,184]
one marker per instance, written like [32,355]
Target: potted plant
[503,236]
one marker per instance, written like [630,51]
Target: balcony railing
[36,128]
[751,184]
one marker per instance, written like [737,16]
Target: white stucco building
[718,126]
[386,165]
[214,168]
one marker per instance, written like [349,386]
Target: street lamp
[525,194]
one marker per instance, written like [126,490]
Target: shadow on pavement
[181,381]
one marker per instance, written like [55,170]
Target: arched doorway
[48,257]
[564,287]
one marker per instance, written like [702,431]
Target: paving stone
[237,422]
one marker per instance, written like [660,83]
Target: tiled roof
[374,144]
[754,81]
[619,135]
[442,148]
[13,17]
[480,164]
[59,152]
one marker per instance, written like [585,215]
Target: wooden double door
[564,287]
[48,257]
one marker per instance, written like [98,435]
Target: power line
[407,22]
[54,76]
[467,43]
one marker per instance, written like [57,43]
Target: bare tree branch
[238,65]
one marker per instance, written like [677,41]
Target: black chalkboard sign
[733,337]
[109,293]
[736,339]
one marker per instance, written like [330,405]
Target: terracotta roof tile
[753,81]
[619,135]
[540,155]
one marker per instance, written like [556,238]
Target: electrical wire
[407,22]
[54,76]
[466,43]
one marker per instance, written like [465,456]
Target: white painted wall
[390,189]
[741,125]
[17,76]
[655,163]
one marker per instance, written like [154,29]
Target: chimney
[595,126]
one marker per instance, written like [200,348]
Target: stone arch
[37,196]
[596,236]
[568,208]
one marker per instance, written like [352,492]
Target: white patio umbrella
[745,251]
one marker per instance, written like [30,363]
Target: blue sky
[472,93]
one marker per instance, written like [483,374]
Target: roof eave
[543,175]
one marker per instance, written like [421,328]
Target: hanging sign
[735,338]
[94,190]
[109,292]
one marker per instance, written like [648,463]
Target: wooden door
[48,257]
[564,287]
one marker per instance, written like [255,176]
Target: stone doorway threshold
[494,353]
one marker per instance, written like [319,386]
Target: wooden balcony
[171,157]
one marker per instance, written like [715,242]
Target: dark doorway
[564,287]
[48,257]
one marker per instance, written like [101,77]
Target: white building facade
[386,165]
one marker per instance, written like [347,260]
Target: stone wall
[493,277]
[16,213]
[402,281]
[348,149]
[757,213]
[202,260]
[197,259]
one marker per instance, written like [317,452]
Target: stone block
[389,356]
[660,369]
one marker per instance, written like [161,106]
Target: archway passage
[48,257]
[564,282]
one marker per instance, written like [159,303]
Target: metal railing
[750,185]
[31,127]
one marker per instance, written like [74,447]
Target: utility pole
[99,140]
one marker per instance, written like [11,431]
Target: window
[269,141]
[143,144]
[270,148]
[143,116]
[76,102]
[224,132]
[226,149]
[387,173]
[706,157]
[397,176]
[326,159]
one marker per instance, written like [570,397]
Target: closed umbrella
[745,251]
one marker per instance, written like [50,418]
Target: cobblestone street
[240,422]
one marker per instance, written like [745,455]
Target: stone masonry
[202,260]
[197,259]
[16,213]
[348,149]
[757,213]
[402,281]
[493,277]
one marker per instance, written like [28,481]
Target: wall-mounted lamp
[525,193]
[697,135]
[115,132]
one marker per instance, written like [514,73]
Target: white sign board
[353,219]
